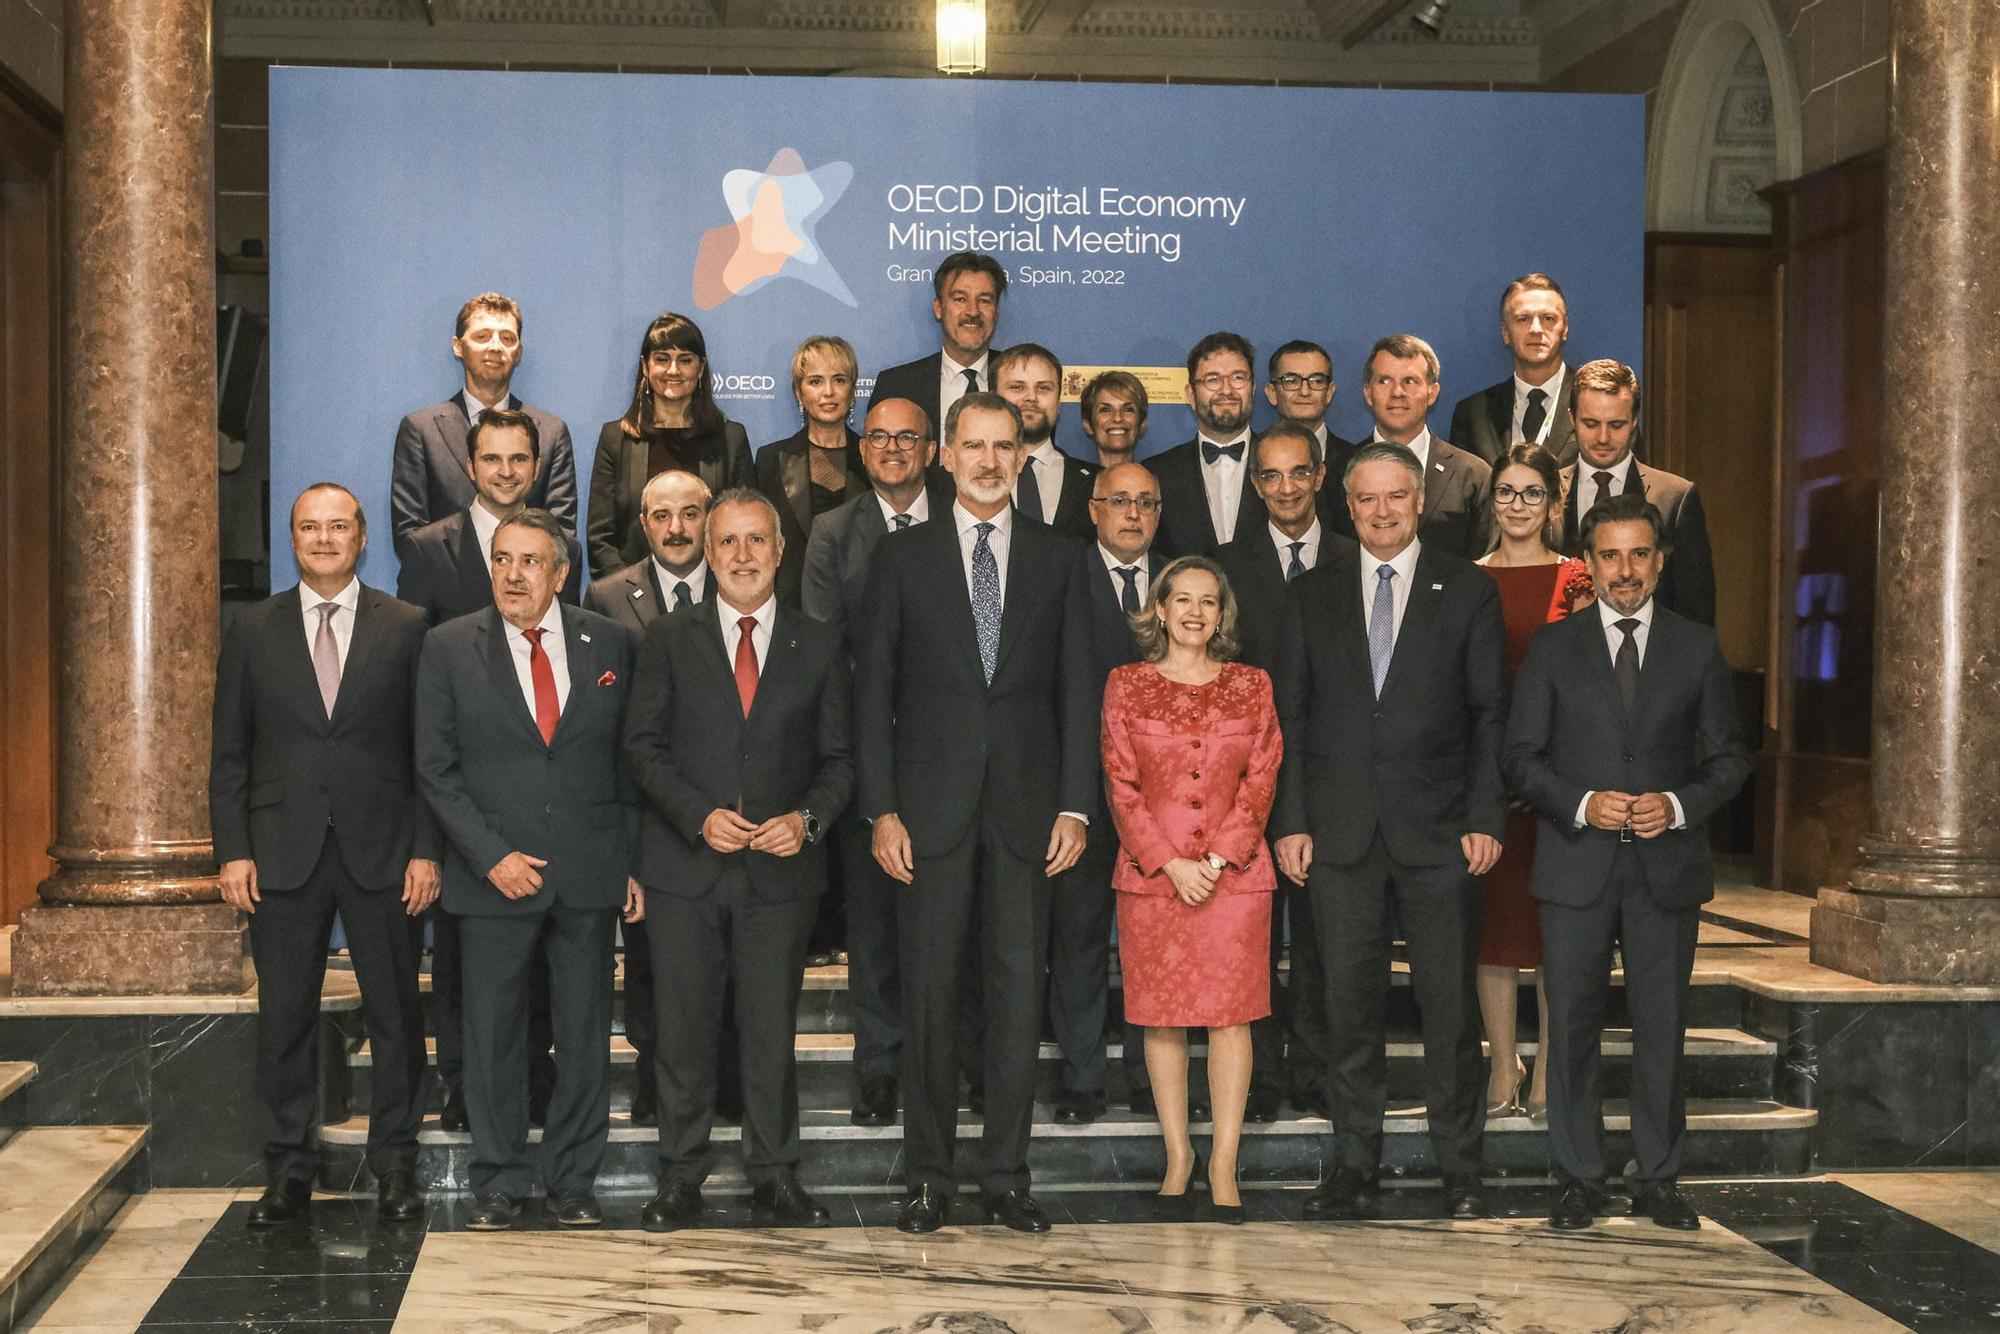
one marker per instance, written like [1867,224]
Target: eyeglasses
[1122,502]
[903,440]
[1290,381]
[1527,495]
[1214,380]
[1270,476]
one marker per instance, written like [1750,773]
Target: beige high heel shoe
[1511,1104]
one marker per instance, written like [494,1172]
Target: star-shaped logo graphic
[775,211]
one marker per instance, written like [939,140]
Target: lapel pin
[1437,588]
[638,593]
[1438,467]
[584,637]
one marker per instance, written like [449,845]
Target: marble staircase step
[1733,1136]
[14,1076]
[59,1186]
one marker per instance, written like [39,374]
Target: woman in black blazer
[819,468]
[672,423]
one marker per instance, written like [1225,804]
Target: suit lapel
[708,632]
[583,670]
[1596,649]
[948,569]
[500,664]
[465,559]
[1025,549]
[1500,415]
[795,479]
[296,655]
[367,630]
[778,658]
[1426,591]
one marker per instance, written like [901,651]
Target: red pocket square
[608,679]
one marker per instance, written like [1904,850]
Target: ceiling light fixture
[961,36]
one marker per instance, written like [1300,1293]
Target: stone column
[133,906]
[1924,903]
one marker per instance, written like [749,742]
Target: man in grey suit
[519,713]
[1400,386]
[1532,404]
[897,449]
[427,478]
[1624,738]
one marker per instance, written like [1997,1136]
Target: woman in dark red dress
[1537,586]
[1191,750]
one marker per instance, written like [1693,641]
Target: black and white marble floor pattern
[1858,1252]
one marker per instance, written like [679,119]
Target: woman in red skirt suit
[1537,586]
[1191,750]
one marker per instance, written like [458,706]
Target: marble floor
[1848,1252]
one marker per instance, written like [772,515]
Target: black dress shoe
[281,1202]
[397,1198]
[1231,1214]
[678,1205]
[1576,1207]
[493,1212]
[577,1208]
[645,1098]
[1667,1207]
[1465,1197]
[1075,1107]
[1345,1194]
[1142,1102]
[877,1104]
[453,1116]
[1017,1209]
[925,1210]
[783,1202]
[1261,1107]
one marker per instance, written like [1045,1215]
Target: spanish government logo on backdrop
[774,212]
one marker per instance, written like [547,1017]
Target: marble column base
[1900,938]
[89,950]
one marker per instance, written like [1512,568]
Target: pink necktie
[326,656]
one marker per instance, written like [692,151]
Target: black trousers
[1288,1046]
[1080,916]
[1356,909]
[728,943]
[978,891]
[289,936]
[448,1011]
[500,956]
[874,965]
[1657,945]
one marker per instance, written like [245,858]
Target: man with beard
[1114,416]
[1053,487]
[966,305]
[1532,404]
[1205,488]
[1400,384]
[1624,737]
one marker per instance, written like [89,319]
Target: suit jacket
[1421,764]
[1185,528]
[1072,514]
[933,739]
[833,586]
[1569,733]
[917,381]
[784,473]
[497,788]
[618,477]
[428,480]
[633,597]
[1483,423]
[1111,645]
[1458,502]
[281,772]
[443,574]
[691,750]
[1687,584]
[1256,573]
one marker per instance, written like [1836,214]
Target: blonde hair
[1149,628]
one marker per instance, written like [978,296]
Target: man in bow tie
[1205,487]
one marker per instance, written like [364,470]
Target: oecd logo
[775,211]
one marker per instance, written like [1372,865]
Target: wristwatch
[1215,863]
[812,825]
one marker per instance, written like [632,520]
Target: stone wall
[31,47]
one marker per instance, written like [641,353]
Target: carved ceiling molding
[591,13]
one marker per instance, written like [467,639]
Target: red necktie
[746,663]
[544,677]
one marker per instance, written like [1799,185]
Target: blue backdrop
[1133,219]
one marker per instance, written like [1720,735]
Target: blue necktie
[1382,627]
[986,600]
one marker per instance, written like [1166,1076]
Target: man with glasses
[1301,388]
[1114,416]
[897,450]
[1400,385]
[1205,483]
[1532,404]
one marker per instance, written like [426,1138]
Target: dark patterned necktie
[1297,566]
[1129,599]
[901,521]
[986,600]
[682,597]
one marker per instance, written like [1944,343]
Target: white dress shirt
[348,600]
[473,407]
[951,384]
[727,617]
[1048,471]
[1420,446]
[919,510]
[1404,563]
[1112,565]
[1583,491]
[1614,639]
[1308,550]
[1222,480]
[553,644]
[1003,528]
[1521,391]
[484,525]
[696,580]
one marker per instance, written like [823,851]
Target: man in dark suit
[427,479]
[1604,398]
[313,805]
[1205,491]
[896,452]
[520,712]
[1300,385]
[1624,737]
[1392,685]
[1053,488]
[1400,385]
[737,737]
[967,289]
[1118,571]
[1532,404]
[976,731]
[1290,474]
